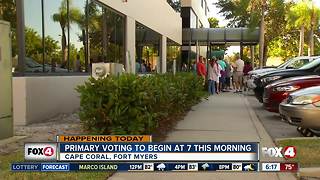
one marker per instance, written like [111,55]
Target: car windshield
[312,64]
[31,63]
[283,65]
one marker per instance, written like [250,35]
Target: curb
[297,138]
[309,172]
[265,140]
[11,139]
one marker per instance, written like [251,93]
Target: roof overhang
[233,36]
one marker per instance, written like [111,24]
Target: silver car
[302,108]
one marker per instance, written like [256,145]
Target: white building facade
[55,43]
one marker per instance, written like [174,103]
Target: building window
[147,50]
[193,19]
[53,38]
[175,4]
[201,25]
[64,36]
[106,35]
[173,53]
[206,9]
[34,59]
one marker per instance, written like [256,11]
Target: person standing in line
[194,67]
[238,74]
[223,65]
[143,67]
[138,67]
[77,64]
[184,67]
[228,76]
[201,69]
[233,67]
[219,78]
[149,67]
[212,76]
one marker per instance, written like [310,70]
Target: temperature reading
[148,167]
[192,166]
[292,167]
[289,166]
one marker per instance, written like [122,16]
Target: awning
[232,36]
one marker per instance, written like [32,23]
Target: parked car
[302,108]
[276,92]
[294,63]
[33,67]
[312,68]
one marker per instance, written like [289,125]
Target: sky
[222,22]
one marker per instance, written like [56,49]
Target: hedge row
[130,104]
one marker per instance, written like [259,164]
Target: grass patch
[5,172]
[308,151]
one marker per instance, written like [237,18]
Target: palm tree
[299,16]
[315,13]
[62,18]
[257,9]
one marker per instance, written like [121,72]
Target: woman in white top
[213,76]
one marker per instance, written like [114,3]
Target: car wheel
[299,129]
[316,132]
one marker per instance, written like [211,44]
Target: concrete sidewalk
[222,118]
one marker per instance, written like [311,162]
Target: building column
[163,53]
[130,44]
[241,51]
[21,35]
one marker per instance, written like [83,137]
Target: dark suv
[312,68]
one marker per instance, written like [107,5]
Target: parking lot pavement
[272,121]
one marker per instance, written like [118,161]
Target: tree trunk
[64,46]
[265,54]
[261,43]
[1,13]
[241,51]
[311,43]
[301,44]
[311,34]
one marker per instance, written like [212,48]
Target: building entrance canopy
[216,36]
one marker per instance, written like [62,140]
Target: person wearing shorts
[222,79]
[238,74]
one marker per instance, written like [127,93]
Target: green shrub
[130,104]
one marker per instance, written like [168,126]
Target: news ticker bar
[153,167]
[146,167]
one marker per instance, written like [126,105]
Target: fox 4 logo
[47,151]
[279,152]
[40,151]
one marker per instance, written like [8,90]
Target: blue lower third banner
[135,167]
[108,152]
